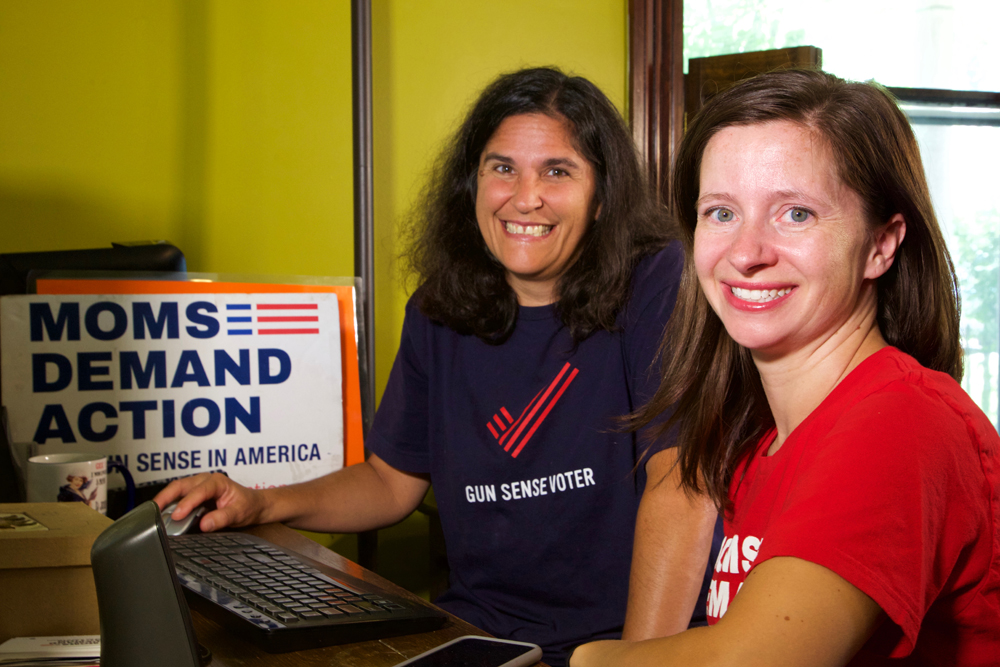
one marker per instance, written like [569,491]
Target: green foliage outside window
[975,250]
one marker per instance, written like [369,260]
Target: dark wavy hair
[462,285]
[721,411]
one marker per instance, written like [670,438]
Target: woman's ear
[886,242]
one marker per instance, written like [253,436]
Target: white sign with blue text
[177,384]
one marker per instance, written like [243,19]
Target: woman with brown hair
[546,276]
[812,357]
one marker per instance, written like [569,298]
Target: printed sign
[175,384]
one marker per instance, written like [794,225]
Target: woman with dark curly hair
[466,281]
[811,365]
[545,281]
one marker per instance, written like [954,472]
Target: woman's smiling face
[533,202]
[782,247]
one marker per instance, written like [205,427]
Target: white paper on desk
[63,650]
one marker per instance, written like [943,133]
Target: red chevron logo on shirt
[514,434]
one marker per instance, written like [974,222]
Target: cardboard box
[46,584]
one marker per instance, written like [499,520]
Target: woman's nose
[751,247]
[528,194]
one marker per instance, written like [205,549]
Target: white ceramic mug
[68,478]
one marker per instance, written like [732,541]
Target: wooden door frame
[656,83]
[657,87]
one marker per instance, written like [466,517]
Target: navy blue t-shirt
[536,486]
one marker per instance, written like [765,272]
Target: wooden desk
[228,650]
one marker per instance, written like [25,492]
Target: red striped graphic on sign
[288,318]
[264,332]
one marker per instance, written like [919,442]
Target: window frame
[657,87]
[656,84]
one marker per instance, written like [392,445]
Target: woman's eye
[503,169]
[798,215]
[796,219]
[721,215]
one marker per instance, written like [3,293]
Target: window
[944,44]
[956,142]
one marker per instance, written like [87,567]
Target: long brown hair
[709,381]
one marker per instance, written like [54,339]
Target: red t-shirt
[893,482]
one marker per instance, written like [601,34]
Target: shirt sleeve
[654,292]
[399,433]
[890,500]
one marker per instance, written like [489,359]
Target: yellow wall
[88,123]
[225,125]
[279,155]
[431,57]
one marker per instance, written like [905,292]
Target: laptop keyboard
[284,601]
